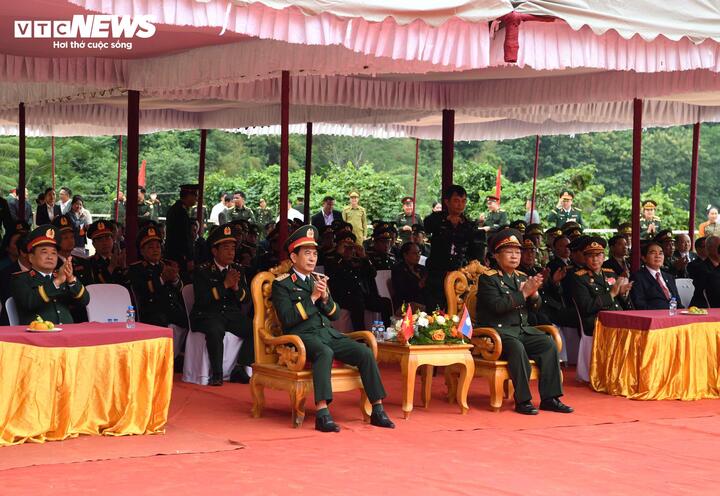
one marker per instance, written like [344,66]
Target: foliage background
[596,166]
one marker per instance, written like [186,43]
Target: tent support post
[636,163]
[693,181]
[284,161]
[133,154]
[448,147]
[308,170]
[415,176]
[201,177]
[21,162]
[52,160]
[535,176]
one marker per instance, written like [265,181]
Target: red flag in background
[407,324]
[141,174]
[498,183]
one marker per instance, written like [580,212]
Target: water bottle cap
[131,307]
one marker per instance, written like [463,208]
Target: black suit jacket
[318,220]
[42,214]
[646,293]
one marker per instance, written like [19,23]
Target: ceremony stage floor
[611,445]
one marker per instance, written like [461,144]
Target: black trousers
[374,303]
[321,348]
[518,351]
[215,326]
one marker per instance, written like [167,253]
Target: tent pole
[448,150]
[693,181]
[21,162]
[308,170]
[417,159]
[535,176]
[117,188]
[636,163]
[201,177]
[133,153]
[52,163]
[284,161]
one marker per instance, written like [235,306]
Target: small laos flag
[465,323]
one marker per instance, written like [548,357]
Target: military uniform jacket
[501,304]
[296,311]
[644,223]
[352,280]
[591,293]
[236,213]
[211,296]
[496,219]
[403,220]
[381,261]
[95,270]
[558,217]
[406,283]
[159,302]
[179,242]
[620,269]
[263,216]
[452,246]
[36,295]
[145,210]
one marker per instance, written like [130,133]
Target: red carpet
[609,446]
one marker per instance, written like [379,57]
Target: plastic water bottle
[373,328]
[130,318]
[673,306]
[380,331]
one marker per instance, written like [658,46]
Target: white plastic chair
[107,302]
[196,367]
[686,289]
[423,260]
[12,312]
[584,352]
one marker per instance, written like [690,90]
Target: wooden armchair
[461,288]
[280,360]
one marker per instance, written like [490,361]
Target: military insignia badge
[310,234]
[63,221]
[227,231]
[50,233]
[151,232]
[101,226]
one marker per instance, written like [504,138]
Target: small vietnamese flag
[407,324]
[466,327]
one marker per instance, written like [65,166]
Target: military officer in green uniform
[107,265]
[650,224]
[495,218]
[380,253]
[306,309]
[565,212]
[145,207]
[263,216]
[179,243]
[356,216]
[156,286]
[43,291]
[504,297]
[239,211]
[406,220]
[220,288]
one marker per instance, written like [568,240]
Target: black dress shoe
[239,375]
[526,408]
[555,405]
[325,423]
[380,419]
[215,380]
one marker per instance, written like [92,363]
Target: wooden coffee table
[428,356]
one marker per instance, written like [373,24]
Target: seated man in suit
[43,291]
[504,297]
[305,309]
[327,214]
[652,286]
[220,288]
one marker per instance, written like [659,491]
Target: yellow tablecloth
[679,362]
[55,393]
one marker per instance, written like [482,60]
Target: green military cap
[492,198]
[664,235]
[624,228]
[533,230]
[554,231]
[570,224]
[304,236]
[567,195]
[520,225]
[354,194]
[344,235]
[221,234]
[63,223]
[593,244]
[148,233]
[42,236]
[382,233]
[189,188]
[505,238]
[418,228]
[528,244]
[101,228]
[649,204]
[324,230]
[407,199]
[578,243]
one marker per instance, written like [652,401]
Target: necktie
[662,285]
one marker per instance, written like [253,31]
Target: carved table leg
[427,375]
[409,369]
[451,382]
[467,371]
[258,396]
[297,397]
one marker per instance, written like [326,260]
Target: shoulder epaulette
[606,269]
[656,218]
[578,209]
[17,273]
[580,272]
[139,262]
[282,276]
[490,272]
[521,273]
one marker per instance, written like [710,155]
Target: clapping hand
[65,274]
[320,291]
[232,279]
[530,287]
[171,271]
[117,259]
[621,287]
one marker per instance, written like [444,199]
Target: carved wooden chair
[461,288]
[280,360]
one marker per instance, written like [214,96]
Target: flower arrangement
[435,328]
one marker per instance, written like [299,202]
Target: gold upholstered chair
[280,360]
[461,289]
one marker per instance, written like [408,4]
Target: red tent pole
[117,188]
[21,162]
[417,159]
[693,180]
[448,147]
[133,146]
[308,170]
[636,163]
[284,160]
[201,177]
[535,175]
[52,164]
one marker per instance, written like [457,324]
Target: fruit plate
[56,329]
